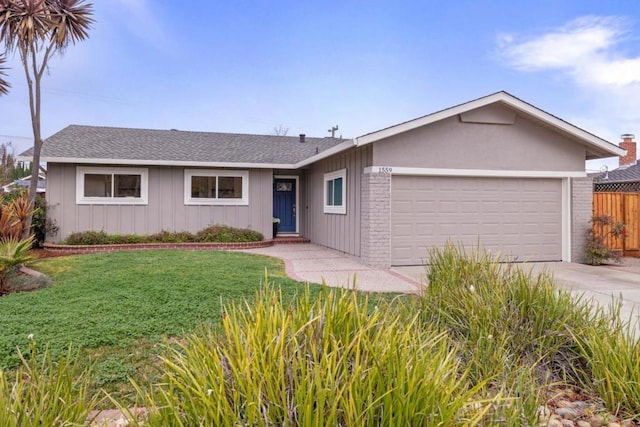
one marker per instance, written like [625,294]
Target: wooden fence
[625,208]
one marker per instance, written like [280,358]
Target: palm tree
[37,30]
[4,85]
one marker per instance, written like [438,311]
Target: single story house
[626,177]
[494,170]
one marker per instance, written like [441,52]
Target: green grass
[120,307]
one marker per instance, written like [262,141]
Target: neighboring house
[495,170]
[24,183]
[624,179]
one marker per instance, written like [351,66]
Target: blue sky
[249,66]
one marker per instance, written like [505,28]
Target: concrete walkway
[315,264]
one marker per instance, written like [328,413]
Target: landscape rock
[568,423]
[567,413]
[554,423]
[583,424]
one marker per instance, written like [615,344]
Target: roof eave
[137,162]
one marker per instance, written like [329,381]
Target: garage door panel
[516,217]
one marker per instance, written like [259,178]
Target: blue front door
[284,204]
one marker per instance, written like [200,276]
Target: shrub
[172,237]
[224,233]
[88,238]
[604,228]
[46,393]
[214,233]
[41,226]
[325,360]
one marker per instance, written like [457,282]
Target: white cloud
[590,52]
[585,48]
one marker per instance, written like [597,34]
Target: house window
[216,187]
[115,186]
[335,192]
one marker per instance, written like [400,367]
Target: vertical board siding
[341,232]
[621,207]
[166,209]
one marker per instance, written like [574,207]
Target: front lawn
[120,307]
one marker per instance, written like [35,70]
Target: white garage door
[519,217]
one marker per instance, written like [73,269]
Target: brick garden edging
[92,249]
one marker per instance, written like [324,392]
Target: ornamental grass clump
[330,359]
[44,392]
[614,364]
[511,325]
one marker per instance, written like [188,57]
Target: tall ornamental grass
[614,364]
[515,329]
[505,316]
[44,392]
[326,360]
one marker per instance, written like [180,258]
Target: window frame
[81,199]
[209,201]
[332,176]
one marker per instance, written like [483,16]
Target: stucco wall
[452,143]
[337,231]
[165,211]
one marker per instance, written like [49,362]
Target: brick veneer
[375,249]
[581,212]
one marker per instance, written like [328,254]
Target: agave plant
[12,252]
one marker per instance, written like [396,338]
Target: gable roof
[111,145]
[596,146]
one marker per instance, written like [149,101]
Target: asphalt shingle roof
[94,142]
[624,174]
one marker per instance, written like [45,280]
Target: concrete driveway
[603,284]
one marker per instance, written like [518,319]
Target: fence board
[625,208]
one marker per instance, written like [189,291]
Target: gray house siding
[165,209]
[337,231]
[453,144]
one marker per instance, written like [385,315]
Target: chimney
[630,145]
[302,135]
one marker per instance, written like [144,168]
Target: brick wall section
[581,212]
[376,220]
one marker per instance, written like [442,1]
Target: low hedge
[213,233]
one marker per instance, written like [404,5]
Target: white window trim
[342,209]
[144,186]
[189,173]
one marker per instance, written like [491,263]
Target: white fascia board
[490,173]
[505,98]
[134,162]
[326,153]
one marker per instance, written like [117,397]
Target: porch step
[290,240]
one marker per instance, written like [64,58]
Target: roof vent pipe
[302,136]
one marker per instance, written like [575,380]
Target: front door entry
[284,204]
